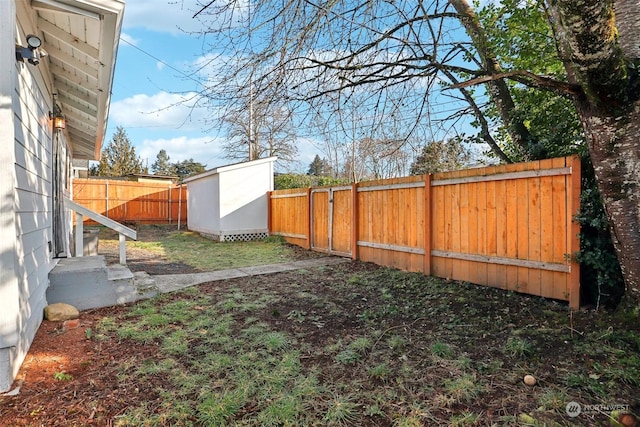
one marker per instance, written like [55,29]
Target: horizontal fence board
[391,186]
[391,247]
[294,236]
[506,226]
[503,261]
[503,176]
[286,196]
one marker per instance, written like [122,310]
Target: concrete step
[145,285]
[87,282]
[121,282]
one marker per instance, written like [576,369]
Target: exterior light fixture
[32,52]
[59,121]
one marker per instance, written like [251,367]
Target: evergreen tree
[440,156]
[162,166]
[119,157]
[318,167]
[186,168]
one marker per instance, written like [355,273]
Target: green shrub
[600,276]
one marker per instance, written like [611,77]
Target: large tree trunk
[600,46]
[614,148]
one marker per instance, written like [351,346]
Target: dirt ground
[91,393]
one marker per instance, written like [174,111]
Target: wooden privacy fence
[507,226]
[133,201]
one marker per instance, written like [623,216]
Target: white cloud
[205,150]
[177,17]
[160,110]
[162,16]
[308,149]
[129,39]
[174,17]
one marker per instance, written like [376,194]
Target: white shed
[230,203]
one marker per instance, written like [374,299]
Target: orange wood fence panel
[391,222]
[341,220]
[289,215]
[510,227]
[132,201]
[507,226]
[320,218]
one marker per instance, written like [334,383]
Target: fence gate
[331,219]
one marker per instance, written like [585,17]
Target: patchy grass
[351,345]
[406,359]
[201,253]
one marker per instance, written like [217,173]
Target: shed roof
[227,168]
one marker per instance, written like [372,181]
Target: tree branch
[498,89]
[485,133]
[528,79]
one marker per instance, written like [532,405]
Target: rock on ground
[60,311]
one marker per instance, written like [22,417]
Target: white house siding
[8,278]
[26,188]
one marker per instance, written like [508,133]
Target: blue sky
[151,84]
[149,87]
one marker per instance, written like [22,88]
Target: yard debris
[70,324]
[530,380]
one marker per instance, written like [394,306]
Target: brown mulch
[66,372]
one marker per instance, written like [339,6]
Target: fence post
[573,202]
[354,221]
[106,211]
[179,205]
[269,213]
[427,224]
[308,219]
[170,203]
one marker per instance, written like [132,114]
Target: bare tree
[398,56]
[359,144]
[260,130]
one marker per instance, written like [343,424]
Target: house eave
[81,38]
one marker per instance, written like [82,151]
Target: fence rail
[133,201]
[507,226]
